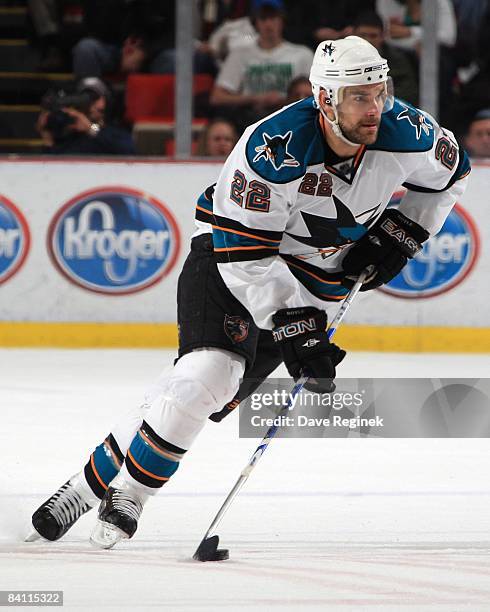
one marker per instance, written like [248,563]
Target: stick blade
[208,550]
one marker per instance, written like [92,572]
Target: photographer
[77,124]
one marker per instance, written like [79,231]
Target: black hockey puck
[208,550]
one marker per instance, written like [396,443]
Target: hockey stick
[208,548]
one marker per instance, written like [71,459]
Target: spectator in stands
[203,61]
[474,95]
[369,25]
[95,58]
[45,18]
[123,36]
[140,39]
[403,22]
[82,127]
[215,13]
[469,17]
[471,56]
[475,92]
[477,139]
[255,78]
[298,88]
[218,139]
[235,31]
[311,21]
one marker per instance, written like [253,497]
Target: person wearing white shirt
[402,22]
[257,75]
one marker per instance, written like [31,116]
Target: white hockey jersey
[285,209]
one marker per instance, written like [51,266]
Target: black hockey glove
[306,348]
[386,247]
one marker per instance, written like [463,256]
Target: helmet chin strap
[336,127]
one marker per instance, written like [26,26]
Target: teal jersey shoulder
[282,146]
[404,129]
[464,165]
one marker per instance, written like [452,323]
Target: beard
[358,133]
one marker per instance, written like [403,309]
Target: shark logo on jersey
[328,49]
[275,150]
[334,232]
[416,120]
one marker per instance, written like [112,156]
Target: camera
[59,122]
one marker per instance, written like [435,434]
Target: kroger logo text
[14,239]
[114,240]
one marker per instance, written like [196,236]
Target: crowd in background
[258,53]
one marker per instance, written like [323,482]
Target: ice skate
[119,512]
[62,510]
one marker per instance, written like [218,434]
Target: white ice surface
[341,524]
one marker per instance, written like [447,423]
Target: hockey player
[299,210]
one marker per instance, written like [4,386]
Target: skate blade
[106,535]
[33,536]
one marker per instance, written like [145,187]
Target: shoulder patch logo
[236,328]
[275,150]
[417,120]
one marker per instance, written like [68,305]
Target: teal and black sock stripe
[151,460]
[103,465]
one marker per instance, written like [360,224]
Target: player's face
[360,112]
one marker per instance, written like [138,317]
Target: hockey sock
[151,460]
[104,464]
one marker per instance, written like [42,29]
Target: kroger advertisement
[114,240]
[105,241]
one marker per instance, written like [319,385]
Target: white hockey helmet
[344,63]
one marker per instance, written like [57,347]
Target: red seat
[152,96]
